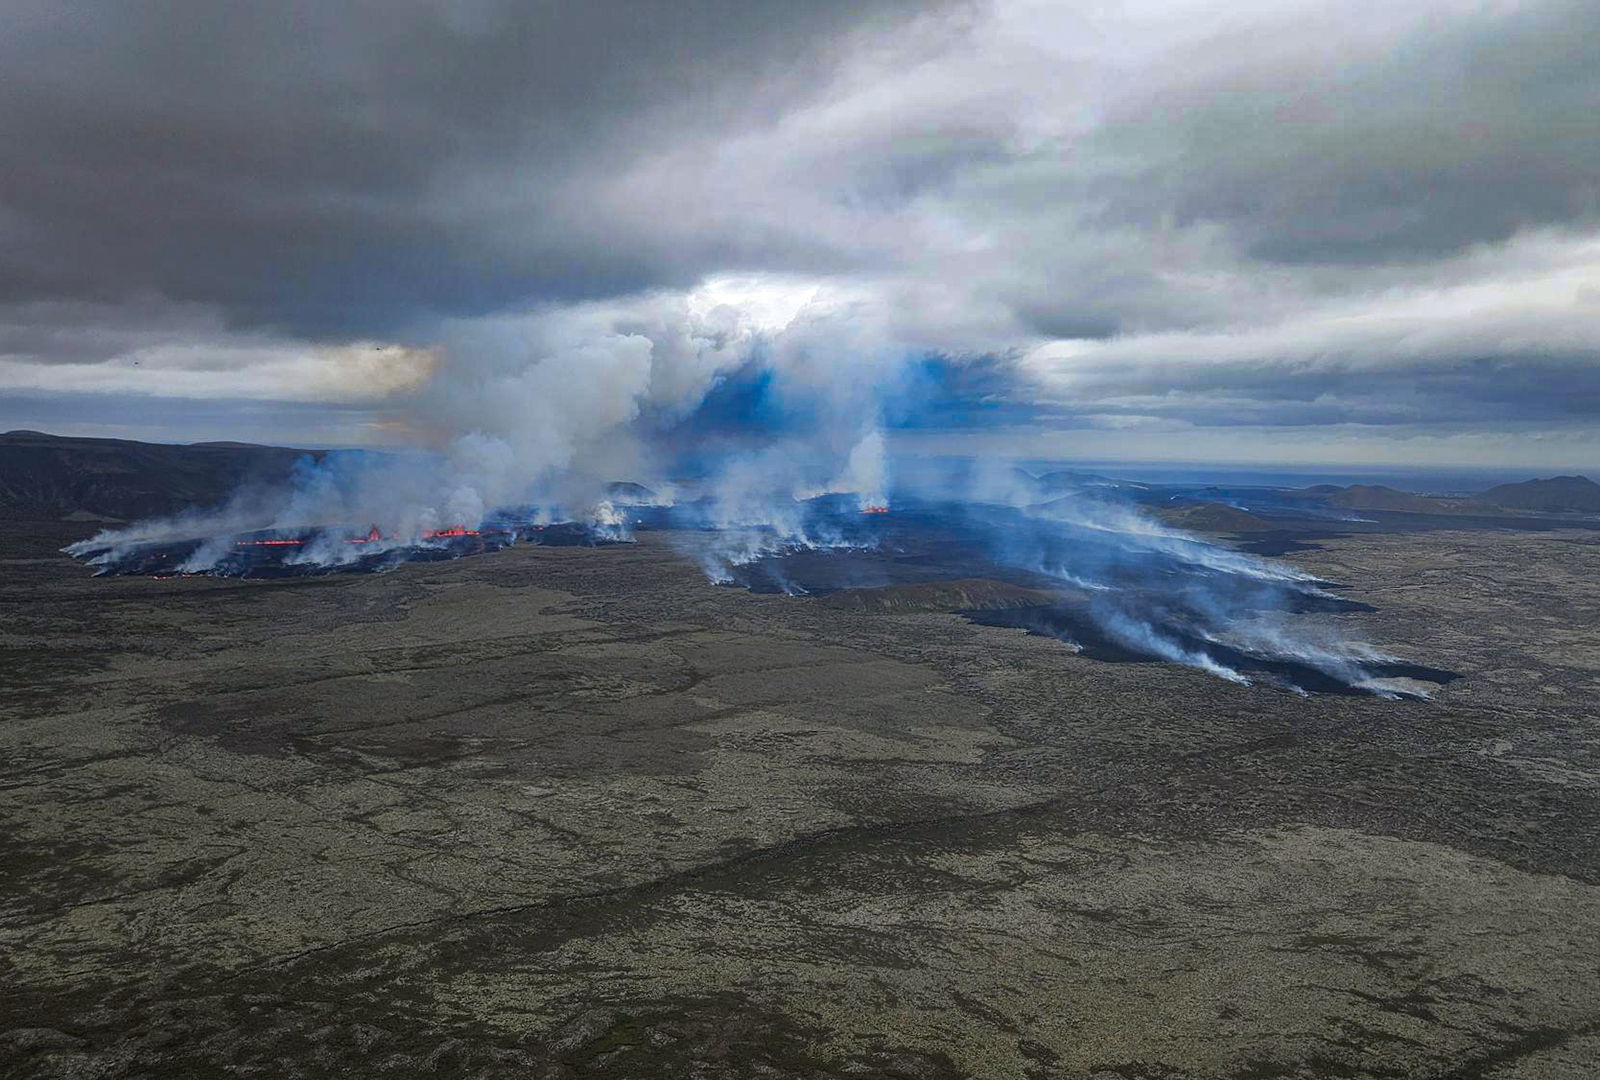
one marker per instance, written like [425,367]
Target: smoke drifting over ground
[1109,582]
[1117,587]
[1150,592]
[544,411]
[750,425]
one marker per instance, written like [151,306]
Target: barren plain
[565,812]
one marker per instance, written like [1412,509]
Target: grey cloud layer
[1369,132]
[1278,214]
[347,167]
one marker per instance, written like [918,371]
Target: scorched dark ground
[570,811]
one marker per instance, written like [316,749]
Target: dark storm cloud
[342,167]
[1475,347]
[1319,137]
[1278,214]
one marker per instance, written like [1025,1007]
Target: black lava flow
[1122,597]
[1187,596]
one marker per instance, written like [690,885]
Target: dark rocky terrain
[572,812]
[959,595]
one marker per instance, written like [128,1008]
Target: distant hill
[1376,497]
[56,477]
[1555,495]
[1069,505]
[628,492]
[1214,517]
[1071,479]
[53,476]
[1558,494]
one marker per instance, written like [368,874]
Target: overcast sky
[1282,232]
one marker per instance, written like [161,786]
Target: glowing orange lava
[375,535]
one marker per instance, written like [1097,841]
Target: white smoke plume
[543,410]
[866,474]
[537,415]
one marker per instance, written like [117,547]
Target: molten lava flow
[874,509]
[374,535]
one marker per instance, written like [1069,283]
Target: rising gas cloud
[542,411]
[762,417]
